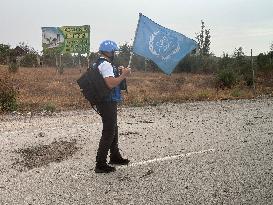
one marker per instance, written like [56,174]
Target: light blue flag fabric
[163,46]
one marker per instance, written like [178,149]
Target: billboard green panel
[67,39]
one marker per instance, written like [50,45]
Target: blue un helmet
[108,46]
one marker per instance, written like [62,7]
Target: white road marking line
[168,158]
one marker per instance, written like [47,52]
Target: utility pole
[253,74]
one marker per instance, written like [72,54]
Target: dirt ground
[190,153]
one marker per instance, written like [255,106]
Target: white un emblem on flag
[163,45]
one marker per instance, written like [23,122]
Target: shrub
[50,107]
[4,52]
[203,95]
[236,93]
[7,94]
[13,67]
[245,72]
[226,78]
[225,62]
[29,60]
[248,80]
[197,63]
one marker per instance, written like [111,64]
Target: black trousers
[109,138]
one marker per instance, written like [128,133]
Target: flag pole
[131,56]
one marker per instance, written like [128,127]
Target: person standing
[108,109]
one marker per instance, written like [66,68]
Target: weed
[50,107]
[203,95]
[236,93]
[13,67]
[226,78]
[7,94]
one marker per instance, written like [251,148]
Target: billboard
[67,39]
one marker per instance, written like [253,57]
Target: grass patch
[236,93]
[50,107]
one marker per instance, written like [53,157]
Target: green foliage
[29,60]
[151,66]
[234,62]
[4,52]
[203,40]
[225,62]
[239,58]
[248,80]
[236,93]
[26,48]
[189,64]
[238,64]
[7,94]
[208,64]
[138,62]
[265,61]
[203,95]
[29,56]
[67,60]
[124,55]
[13,67]
[50,107]
[226,78]
[198,63]
[203,61]
[49,58]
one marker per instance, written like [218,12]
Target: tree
[124,55]
[270,54]
[49,57]
[28,55]
[225,61]
[262,60]
[204,60]
[239,57]
[4,52]
[203,40]
[123,58]
[265,61]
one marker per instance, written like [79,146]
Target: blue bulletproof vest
[115,95]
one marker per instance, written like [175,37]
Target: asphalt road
[191,153]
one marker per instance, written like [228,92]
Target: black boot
[104,168]
[119,161]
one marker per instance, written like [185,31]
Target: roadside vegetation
[30,81]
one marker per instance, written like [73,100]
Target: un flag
[163,46]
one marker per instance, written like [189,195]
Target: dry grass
[39,87]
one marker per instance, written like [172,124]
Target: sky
[232,23]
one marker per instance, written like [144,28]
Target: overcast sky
[233,23]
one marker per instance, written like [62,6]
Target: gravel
[50,159]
